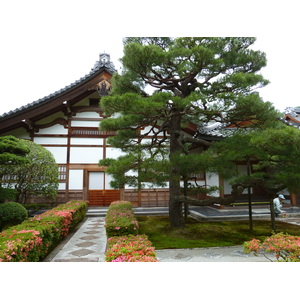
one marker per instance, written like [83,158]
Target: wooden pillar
[85,184]
[68,160]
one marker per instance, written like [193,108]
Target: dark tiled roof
[215,130]
[99,66]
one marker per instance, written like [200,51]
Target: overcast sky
[46,45]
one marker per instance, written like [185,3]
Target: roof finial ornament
[104,61]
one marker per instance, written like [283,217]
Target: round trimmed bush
[12,213]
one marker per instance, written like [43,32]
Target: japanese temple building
[67,124]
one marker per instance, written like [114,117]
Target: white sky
[46,45]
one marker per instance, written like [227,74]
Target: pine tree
[192,80]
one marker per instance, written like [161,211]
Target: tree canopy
[195,80]
[28,168]
[274,154]
[12,151]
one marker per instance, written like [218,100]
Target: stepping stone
[213,255]
[85,244]
[89,237]
[82,252]
[240,253]
[181,256]
[91,232]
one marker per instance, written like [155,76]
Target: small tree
[274,155]
[39,177]
[12,153]
[35,174]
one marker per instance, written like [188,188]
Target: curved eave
[55,101]
[291,119]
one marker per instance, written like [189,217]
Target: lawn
[207,234]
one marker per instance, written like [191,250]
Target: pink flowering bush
[286,247]
[130,249]
[120,219]
[33,239]
[124,245]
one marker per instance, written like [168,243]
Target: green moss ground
[207,234]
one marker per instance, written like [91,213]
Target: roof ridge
[97,67]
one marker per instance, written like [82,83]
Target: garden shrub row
[285,247]
[124,243]
[120,219]
[130,248]
[36,237]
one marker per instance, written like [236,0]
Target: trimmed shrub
[120,219]
[77,208]
[124,245]
[285,247]
[12,213]
[36,237]
[130,249]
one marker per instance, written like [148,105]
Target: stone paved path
[88,244]
[211,254]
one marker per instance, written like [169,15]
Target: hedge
[286,247]
[124,245]
[35,238]
[120,219]
[131,248]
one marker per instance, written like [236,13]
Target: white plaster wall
[199,182]
[76,179]
[108,179]
[242,170]
[87,114]
[146,130]
[87,141]
[75,123]
[150,185]
[51,140]
[227,187]
[113,152]
[85,155]
[59,153]
[212,179]
[55,129]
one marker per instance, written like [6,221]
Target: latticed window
[62,170]
[90,132]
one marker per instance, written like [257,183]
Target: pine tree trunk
[175,206]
